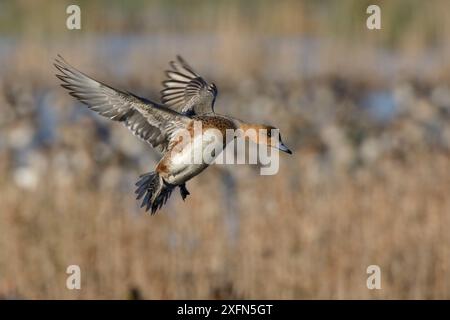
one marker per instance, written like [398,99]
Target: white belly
[193,158]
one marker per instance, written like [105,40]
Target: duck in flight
[187,99]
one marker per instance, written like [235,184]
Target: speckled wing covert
[151,122]
[186,91]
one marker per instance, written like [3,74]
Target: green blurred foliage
[421,22]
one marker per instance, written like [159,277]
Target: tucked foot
[183,191]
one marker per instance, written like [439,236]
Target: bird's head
[264,135]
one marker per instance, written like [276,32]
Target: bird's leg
[183,191]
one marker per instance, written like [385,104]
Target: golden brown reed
[314,241]
[309,231]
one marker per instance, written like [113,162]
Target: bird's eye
[269,133]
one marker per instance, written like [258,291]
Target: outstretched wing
[186,91]
[147,120]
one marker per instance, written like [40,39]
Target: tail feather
[154,190]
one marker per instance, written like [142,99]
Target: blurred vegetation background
[366,113]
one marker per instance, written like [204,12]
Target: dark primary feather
[147,120]
[186,91]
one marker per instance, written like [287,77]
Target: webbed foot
[183,191]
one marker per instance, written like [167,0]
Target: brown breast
[216,122]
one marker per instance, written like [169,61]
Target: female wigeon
[187,100]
